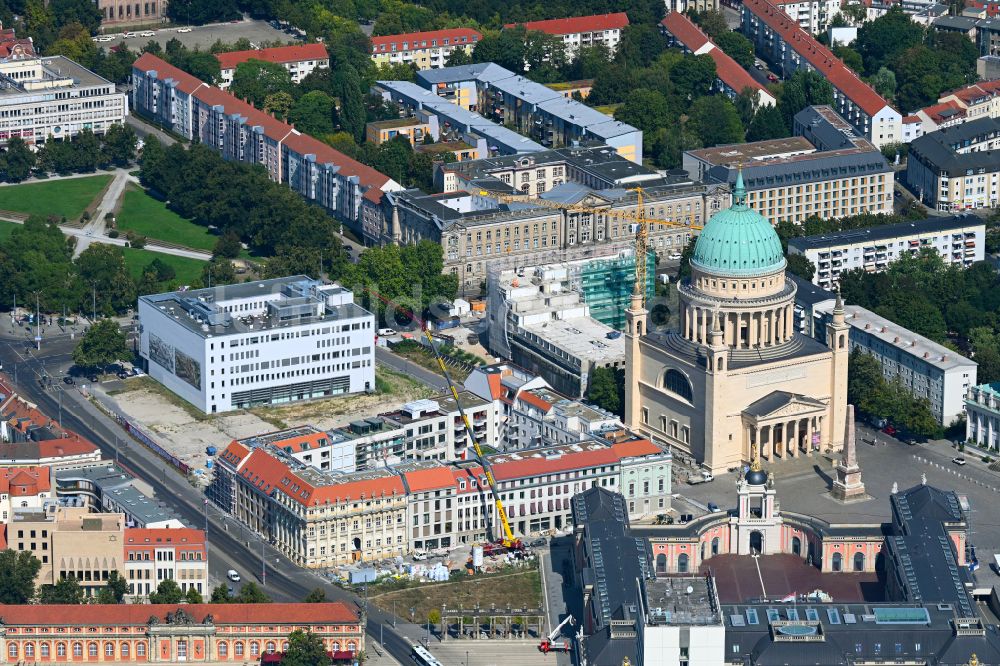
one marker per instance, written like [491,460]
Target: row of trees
[85,153]
[878,398]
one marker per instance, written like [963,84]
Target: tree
[317,596]
[18,570]
[218,271]
[458,57]
[767,123]
[737,47]
[193,596]
[198,12]
[434,616]
[251,594]
[602,390]
[645,109]
[279,104]
[118,146]
[18,161]
[66,591]
[102,267]
[313,113]
[74,42]
[114,589]
[304,649]
[850,57]
[802,90]
[693,76]
[83,12]
[102,344]
[713,23]
[254,80]
[220,595]
[167,592]
[228,246]
[348,88]
[884,83]
[202,65]
[715,121]
[881,41]
[800,265]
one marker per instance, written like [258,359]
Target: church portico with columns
[735,373]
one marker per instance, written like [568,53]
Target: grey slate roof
[882,232]
[938,150]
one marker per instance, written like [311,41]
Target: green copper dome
[738,241]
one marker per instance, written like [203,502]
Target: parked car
[128,35]
[122,374]
[713,507]
[889,430]
[419,556]
[93,379]
[147,33]
[385,332]
[233,575]
[537,543]
[68,380]
[183,30]
[959,460]
[772,78]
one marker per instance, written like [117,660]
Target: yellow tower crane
[639,217]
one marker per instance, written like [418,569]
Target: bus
[423,656]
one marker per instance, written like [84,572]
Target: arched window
[271,647]
[254,649]
[715,546]
[140,649]
[60,649]
[125,649]
[109,649]
[92,649]
[77,649]
[223,649]
[335,647]
[12,650]
[239,649]
[29,649]
[682,563]
[796,546]
[859,561]
[352,646]
[675,382]
[43,649]
[284,646]
[661,563]
[837,562]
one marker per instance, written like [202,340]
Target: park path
[95,227]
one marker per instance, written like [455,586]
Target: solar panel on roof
[736,621]
[773,615]
[812,615]
[834,615]
[752,616]
[792,613]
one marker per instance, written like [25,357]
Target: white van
[233,575]
[385,332]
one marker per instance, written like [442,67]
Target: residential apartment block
[321,519]
[925,368]
[55,98]
[779,39]
[106,487]
[176,633]
[119,13]
[813,16]
[300,60]
[984,32]
[731,78]
[156,555]
[423,50]
[825,170]
[258,343]
[475,229]
[582,31]
[960,240]
[198,111]
[957,168]
[980,100]
[14,48]
[24,488]
[532,109]
[30,438]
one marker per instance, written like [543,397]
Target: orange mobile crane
[506,541]
[639,217]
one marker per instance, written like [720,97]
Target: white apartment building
[982,412]
[957,168]
[299,59]
[55,98]
[156,555]
[813,16]
[543,416]
[960,240]
[423,50]
[258,343]
[925,368]
[582,31]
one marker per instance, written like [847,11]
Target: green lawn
[6,228]
[151,218]
[63,198]
[188,270]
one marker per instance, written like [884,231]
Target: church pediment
[781,404]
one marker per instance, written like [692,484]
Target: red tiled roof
[263,471]
[297,444]
[434,478]
[468,474]
[534,400]
[821,58]
[164,70]
[159,536]
[379,487]
[935,111]
[685,31]
[907,120]
[25,481]
[410,38]
[235,453]
[279,54]
[635,448]
[67,446]
[570,26]
[519,469]
[139,614]
[307,145]
[273,128]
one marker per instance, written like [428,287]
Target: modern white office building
[925,368]
[55,98]
[258,343]
[960,240]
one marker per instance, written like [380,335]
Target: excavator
[550,644]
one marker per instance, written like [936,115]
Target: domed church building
[737,372]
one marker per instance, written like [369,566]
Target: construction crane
[550,644]
[639,217]
[507,540]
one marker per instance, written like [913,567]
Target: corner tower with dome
[736,372]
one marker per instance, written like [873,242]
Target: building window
[239,649]
[271,647]
[125,649]
[675,382]
[223,649]
[140,650]
[77,649]
[682,563]
[92,649]
[109,649]
[12,650]
[254,649]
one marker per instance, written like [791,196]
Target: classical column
[767,453]
[687,322]
[789,321]
[779,323]
[795,437]
[755,328]
[704,326]
[755,430]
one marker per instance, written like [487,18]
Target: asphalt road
[385,357]
[284,580]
